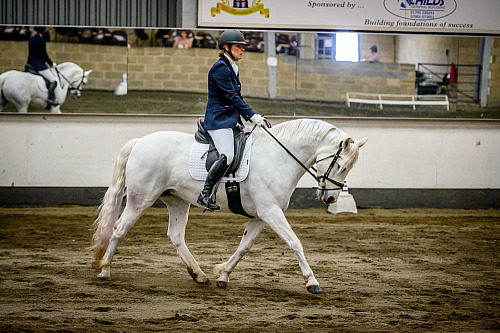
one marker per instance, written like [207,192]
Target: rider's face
[237,51]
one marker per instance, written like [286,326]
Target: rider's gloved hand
[54,65]
[258,120]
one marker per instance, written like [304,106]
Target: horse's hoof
[223,285]
[104,278]
[314,289]
[202,280]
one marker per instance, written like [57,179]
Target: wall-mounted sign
[427,16]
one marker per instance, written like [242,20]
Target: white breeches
[224,142]
[47,74]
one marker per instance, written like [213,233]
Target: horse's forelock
[351,155]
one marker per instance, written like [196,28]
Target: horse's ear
[87,73]
[347,142]
[361,142]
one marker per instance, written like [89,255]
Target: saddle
[29,69]
[240,133]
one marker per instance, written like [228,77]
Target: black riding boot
[215,173]
[52,96]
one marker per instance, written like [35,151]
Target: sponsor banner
[427,16]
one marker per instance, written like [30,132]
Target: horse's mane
[71,67]
[311,129]
[305,129]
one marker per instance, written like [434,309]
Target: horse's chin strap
[325,176]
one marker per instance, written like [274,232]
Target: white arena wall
[68,159]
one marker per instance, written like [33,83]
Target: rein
[320,179]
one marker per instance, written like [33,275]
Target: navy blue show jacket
[38,56]
[225,104]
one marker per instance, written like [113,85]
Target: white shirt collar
[233,63]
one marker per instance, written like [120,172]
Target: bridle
[72,88]
[320,179]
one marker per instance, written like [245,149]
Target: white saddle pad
[198,157]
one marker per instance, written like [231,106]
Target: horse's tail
[111,204]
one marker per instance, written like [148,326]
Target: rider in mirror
[224,108]
[38,59]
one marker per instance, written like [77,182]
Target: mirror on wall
[164,71]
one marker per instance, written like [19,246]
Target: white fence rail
[393,99]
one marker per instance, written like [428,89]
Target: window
[324,46]
[346,46]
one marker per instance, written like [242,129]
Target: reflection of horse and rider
[40,85]
[38,60]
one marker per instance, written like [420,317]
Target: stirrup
[209,201]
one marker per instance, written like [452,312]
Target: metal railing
[466,88]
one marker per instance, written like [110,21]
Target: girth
[240,134]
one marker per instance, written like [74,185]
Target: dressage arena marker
[345,202]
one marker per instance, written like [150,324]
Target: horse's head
[76,85]
[74,76]
[333,167]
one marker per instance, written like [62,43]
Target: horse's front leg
[55,109]
[275,218]
[178,211]
[253,229]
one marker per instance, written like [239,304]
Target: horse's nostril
[330,200]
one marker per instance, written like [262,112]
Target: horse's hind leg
[130,215]
[253,229]
[178,211]
[21,107]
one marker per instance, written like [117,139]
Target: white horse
[156,166]
[23,89]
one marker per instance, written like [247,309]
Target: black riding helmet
[40,29]
[230,37]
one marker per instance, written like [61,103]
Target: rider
[224,108]
[38,58]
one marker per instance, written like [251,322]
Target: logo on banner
[240,7]
[420,9]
